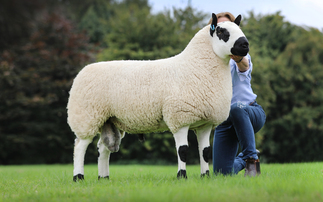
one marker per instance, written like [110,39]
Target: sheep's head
[227,38]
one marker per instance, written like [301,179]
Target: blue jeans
[243,122]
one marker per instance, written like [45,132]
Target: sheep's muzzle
[240,47]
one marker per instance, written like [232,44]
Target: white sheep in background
[191,90]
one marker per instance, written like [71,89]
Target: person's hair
[224,14]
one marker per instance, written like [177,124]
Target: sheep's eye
[222,34]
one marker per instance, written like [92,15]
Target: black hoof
[181,174]
[78,177]
[106,177]
[207,174]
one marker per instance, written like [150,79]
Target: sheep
[189,91]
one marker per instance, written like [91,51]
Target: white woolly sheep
[191,90]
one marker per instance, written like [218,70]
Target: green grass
[278,182]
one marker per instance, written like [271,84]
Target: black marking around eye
[222,34]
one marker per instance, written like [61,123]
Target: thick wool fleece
[192,88]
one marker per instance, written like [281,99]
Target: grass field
[278,182]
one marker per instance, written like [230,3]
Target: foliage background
[43,45]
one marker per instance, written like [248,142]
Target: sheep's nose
[240,47]
[242,42]
[245,44]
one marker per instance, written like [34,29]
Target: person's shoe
[252,167]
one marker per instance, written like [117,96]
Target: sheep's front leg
[182,149]
[79,153]
[103,160]
[203,138]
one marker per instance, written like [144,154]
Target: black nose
[240,47]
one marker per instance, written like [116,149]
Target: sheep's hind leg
[203,138]
[182,149]
[103,160]
[79,153]
[108,143]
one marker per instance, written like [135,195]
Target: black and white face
[227,37]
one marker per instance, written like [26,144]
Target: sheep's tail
[111,136]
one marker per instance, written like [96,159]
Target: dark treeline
[43,45]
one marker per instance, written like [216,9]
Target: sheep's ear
[213,24]
[238,20]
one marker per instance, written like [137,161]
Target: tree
[294,130]
[35,79]
[139,35]
[15,20]
[94,19]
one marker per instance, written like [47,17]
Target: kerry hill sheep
[191,90]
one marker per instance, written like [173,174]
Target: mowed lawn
[278,182]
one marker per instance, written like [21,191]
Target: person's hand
[241,61]
[236,58]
